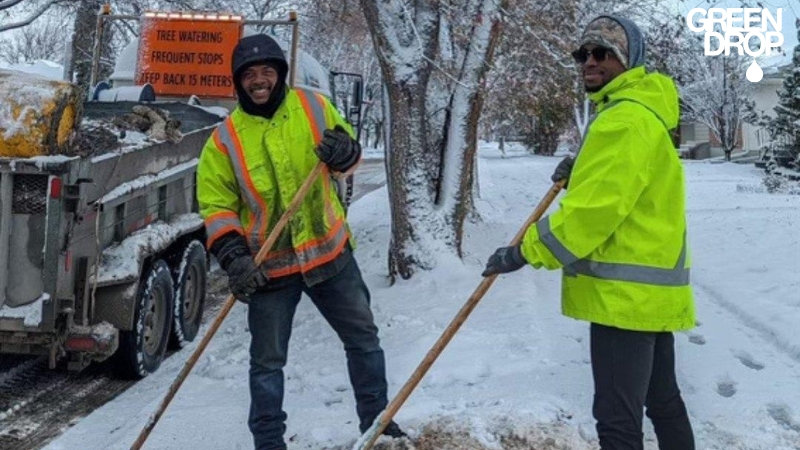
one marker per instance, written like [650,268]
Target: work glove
[504,260]
[244,278]
[338,150]
[236,260]
[563,170]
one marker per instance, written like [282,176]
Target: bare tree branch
[5,4]
[30,19]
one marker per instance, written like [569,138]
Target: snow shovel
[227,306]
[367,440]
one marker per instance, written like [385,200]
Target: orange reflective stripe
[221,223]
[281,263]
[314,107]
[307,246]
[282,272]
[316,253]
[327,257]
[218,143]
[259,215]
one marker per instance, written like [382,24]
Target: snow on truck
[101,248]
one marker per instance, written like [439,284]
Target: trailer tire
[190,294]
[142,349]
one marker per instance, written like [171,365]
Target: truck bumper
[99,341]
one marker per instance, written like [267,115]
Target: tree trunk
[476,66]
[430,159]
[83,38]
[409,180]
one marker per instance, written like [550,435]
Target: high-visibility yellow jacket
[620,231]
[249,171]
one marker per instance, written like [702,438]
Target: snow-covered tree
[532,85]
[19,14]
[434,56]
[44,41]
[786,123]
[535,86]
[719,99]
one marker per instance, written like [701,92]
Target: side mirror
[351,105]
[354,110]
[358,92]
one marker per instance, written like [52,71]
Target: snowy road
[517,375]
[370,175]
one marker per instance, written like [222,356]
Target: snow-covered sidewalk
[517,367]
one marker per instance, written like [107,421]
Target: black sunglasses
[599,53]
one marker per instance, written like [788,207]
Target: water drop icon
[754,73]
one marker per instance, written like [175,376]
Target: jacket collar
[623,81]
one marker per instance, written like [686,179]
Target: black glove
[338,150]
[563,170]
[504,260]
[236,260]
[244,278]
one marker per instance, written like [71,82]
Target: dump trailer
[102,252]
[101,247]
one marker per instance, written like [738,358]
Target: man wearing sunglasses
[620,237]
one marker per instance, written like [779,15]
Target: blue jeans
[344,302]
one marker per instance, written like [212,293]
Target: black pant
[633,370]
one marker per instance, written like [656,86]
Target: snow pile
[42,68]
[117,265]
[517,375]
[506,433]
[12,119]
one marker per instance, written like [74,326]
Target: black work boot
[393,430]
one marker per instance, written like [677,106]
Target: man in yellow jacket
[620,237]
[249,171]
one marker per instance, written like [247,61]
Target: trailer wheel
[190,294]
[142,349]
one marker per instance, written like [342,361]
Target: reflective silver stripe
[632,273]
[564,256]
[215,225]
[287,259]
[235,155]
[317,110]
[613,271]
[324,248]
[682,258]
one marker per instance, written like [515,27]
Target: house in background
[698,142]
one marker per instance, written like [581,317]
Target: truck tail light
[55,187]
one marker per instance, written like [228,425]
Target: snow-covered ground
[517,367]
[41,67]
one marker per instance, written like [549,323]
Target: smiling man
[620,237]
[249,171]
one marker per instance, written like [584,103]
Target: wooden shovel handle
[368,439]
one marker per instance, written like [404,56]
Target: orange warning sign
[184,54]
